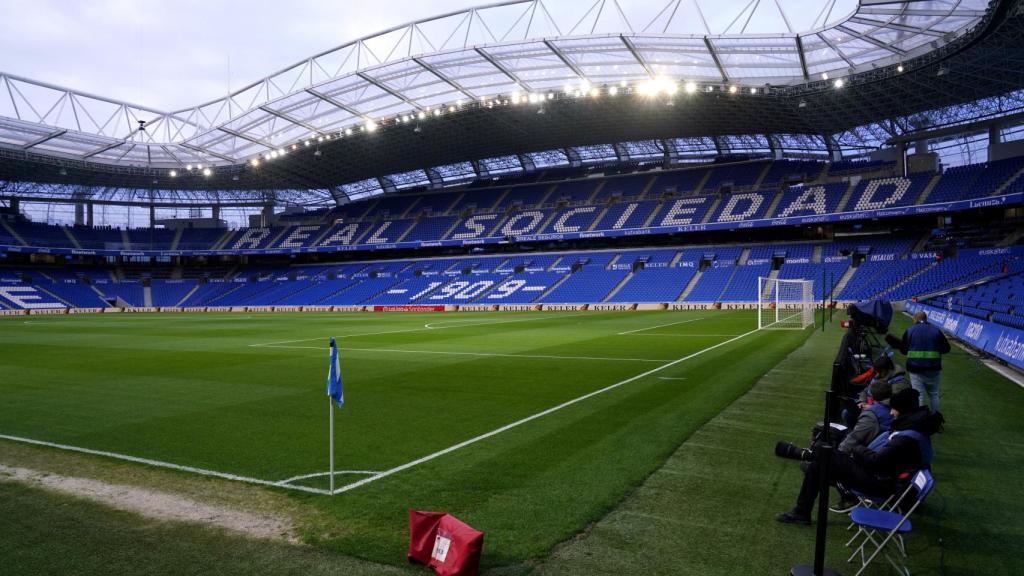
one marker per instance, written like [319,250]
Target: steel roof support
[501,68]
[43,138]
[636,54]
[803,58]
[565,60]
[389,90]
[334,102]
[245,136]
[714,56]
[292,119]
[103,149]
[426,66]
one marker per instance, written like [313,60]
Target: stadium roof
[508,78]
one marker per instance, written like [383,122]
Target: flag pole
[330,410]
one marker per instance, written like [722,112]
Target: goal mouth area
[784,304]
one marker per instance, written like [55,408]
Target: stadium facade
[505,156]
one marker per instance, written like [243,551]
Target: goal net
[784,304]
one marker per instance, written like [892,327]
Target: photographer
[875,417]
[907,449]
[924,345]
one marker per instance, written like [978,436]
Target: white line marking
[426,327]
[431,325]
[670,378]
[446,352]
[660,326]
[530,418]
[160,464]
[287,481]
[696,335]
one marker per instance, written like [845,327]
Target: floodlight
[613,90]
[199,166]
[733,89]
[753,90]
[348,131]
[281,152]
[824,75]
[691,87]
[188,167]
[207,172]
[594,92]
[371,126]
[255,162]
[173,173]
[899,68]
[307,142]
[838,83]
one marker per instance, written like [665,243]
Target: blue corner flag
[334,389]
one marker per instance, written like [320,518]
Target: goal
[784,304]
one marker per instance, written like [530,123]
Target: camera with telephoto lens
[793,452]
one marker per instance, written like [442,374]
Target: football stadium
[538,287]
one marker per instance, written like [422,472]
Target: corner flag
[334,389]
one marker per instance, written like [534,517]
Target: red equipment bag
[444,543]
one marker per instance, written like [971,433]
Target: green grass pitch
[243,394]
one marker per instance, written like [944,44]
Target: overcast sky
[172,54]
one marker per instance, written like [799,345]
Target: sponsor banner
[1003,200]
[625,307]
[47,311]
[476,308]
[315,308]
[923,255]
[260,308]
[170,309]
[519,307]
[830,259]
[239,308]
[688,306]
[408,308]
[348,308]
[194,309]
[1003,342]
[755,261]
[112,310]
[287,308]
[222,309]
[564,307]
[652,307]
[140,309]
[13,312]
[85,310]
[738,306]
[881,257]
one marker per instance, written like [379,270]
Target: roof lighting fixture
[594,92]
[824,75]
[458,102]
[320,139]
[421,116]
[613,90]
[623,83]
[295,146]
[711,88]
[567,89]
[691,87]
[839,83]
[173,173]
[899,68]
[307,142]
[733,89]
[255,162]
[207,172]
[188,167]
[371,126]
[584,85]
[515,97]
[281,152]
[753,90]
[437,111]
[348,131]
[551,95]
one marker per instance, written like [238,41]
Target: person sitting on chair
[876,469]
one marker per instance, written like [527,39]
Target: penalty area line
[161,464]
[659,326]
[530,418]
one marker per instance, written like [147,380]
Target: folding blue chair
[873,522]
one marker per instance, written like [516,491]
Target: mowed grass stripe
[528,489]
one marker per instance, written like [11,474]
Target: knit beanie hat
[905,400]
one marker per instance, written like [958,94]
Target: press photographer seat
[874,522]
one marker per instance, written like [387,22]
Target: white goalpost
[784,304]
